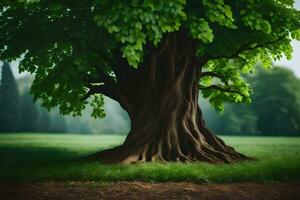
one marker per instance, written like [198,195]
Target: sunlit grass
[43,157]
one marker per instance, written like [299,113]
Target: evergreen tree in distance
[153,57]
[9,100]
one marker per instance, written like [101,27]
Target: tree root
[135,154]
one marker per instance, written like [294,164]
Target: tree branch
[245,47]
[103,77]
[111,91]
[222,89]
[214,74]
[100,89]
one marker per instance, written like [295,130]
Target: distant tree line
[274,110]
[18,112]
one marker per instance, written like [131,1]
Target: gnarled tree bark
[161,98]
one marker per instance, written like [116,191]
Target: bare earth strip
[142,190]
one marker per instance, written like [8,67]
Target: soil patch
[151,191]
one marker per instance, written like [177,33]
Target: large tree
[150,56]
[9,100]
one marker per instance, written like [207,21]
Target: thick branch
[245,47]
[214,74]
[100,78]
[220,88]
[101,89]
[111,91]
[103,77]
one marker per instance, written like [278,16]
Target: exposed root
[158,153]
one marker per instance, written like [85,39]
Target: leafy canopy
[70,45]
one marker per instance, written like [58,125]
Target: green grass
[50,157]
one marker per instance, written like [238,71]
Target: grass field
[49,157]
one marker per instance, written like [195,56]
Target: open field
[52,157]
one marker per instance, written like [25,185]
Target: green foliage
[133,23]
[97,102]
[200,29]
[296,34]
[219,12]
[231,79]
[68,43]
[9,100]
[42,153]
[254,20]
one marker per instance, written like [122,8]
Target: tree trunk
[166,120]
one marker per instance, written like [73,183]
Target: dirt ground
[142,190]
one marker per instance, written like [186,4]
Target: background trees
[236,120]
[33,118]
[274,110]
[276,101]
[18,112]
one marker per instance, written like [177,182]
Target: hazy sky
[293,64]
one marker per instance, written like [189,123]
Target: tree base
[166,119]
[216,152]
[118,155]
